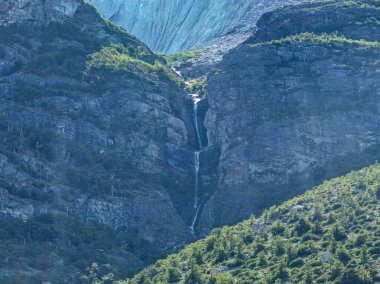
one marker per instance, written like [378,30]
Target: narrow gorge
[110,156]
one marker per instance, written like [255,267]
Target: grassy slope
[287,243]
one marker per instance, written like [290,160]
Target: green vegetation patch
[117,58]
[323,39]
[330,234]
[198,86]
[349,4]
[181,57]
[375,21]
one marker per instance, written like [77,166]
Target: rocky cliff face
[293,106]
[173,26]
[102,146]
[97,153]
[36,11]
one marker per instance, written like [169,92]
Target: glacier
[177,25]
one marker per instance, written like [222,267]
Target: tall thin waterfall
[196,164]
[196,124]
[196,170]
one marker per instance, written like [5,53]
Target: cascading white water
[192,229]
[196,170]
[196,192]
[196,164]
[196,125]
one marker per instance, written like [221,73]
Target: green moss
[315,238]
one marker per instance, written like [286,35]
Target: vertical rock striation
[101,147]
[173,26]
[294,105]
[36,11]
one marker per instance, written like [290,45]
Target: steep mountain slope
[173,26]
[96,153]
[296,104]
[331,234]
[99,156]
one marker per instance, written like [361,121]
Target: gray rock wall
[36,10]
[95,146]
[287,115]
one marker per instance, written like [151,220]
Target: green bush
[302,227]
[174,274]
[338,233]
[297,263]
[351,276]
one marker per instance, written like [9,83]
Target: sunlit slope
[330,234]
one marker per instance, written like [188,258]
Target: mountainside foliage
[119,59]
[331,234]
[322,39]
[181,57]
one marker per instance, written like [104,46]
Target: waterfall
[192,229]
[196,125]
[196,191]
[196,186]
[196,169]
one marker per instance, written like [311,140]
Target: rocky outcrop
[36,11]
[96,146]
[293,106]
[173,26]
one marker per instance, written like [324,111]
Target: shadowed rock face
[96,147]
[291,113]
[173,26]
[36,11]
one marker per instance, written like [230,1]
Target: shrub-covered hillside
[331,234]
